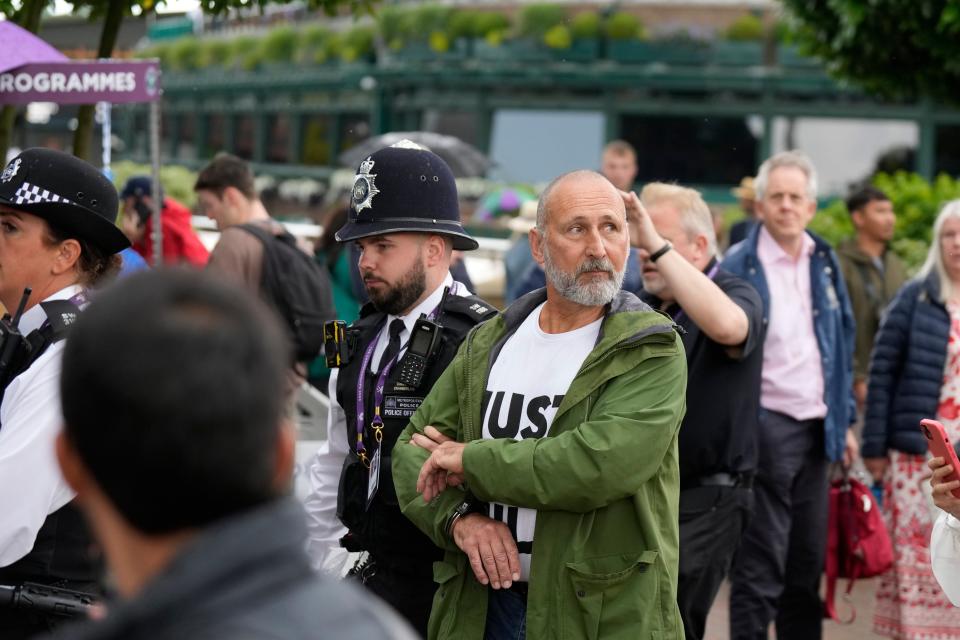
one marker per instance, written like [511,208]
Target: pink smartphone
[941,447]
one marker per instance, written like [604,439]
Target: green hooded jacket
[605,482]
[870,291]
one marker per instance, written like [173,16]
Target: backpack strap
[265,235]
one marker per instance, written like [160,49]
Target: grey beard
[593,294]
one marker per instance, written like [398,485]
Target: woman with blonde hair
[915,374]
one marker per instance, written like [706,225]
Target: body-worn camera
[336,347]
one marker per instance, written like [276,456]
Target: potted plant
[216,53]
[742,44]
[279,47]
[185,54]
[625,38]
[585,34]
[490,33]
[680,48]
[356,45]
[535,22]
[314,47]
[245,54]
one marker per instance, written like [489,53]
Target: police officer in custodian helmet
[58,240]
[404,216]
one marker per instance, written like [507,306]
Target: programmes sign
[82,82]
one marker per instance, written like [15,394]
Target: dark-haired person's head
[872,213]
[57,226]
[225,190]
[173,404]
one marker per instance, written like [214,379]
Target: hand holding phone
[941,447]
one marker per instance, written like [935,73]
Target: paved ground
[860,629]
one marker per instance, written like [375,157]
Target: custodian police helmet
[405,188]
[67,192]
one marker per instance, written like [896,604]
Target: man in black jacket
[177,443]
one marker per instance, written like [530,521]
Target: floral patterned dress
[910,603]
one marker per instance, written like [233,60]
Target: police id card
[373,482]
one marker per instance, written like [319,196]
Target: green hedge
[177,181]
[916,202]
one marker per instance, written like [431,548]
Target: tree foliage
[894,48]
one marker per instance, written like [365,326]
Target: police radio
[12,343]
[423,341]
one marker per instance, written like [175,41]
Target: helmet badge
[364,187]
[10,171]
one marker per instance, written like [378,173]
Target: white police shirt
[325,529]
[526,386]
[31,485]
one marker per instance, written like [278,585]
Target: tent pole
[155,175]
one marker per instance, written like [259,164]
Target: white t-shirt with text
[527,383]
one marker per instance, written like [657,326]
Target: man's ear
[700,243]
[857,218]
[536,245]
[758,209]
[233,197]
[72,468]
[435,249]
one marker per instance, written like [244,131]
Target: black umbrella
[465,160]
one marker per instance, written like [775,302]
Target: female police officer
[57,238]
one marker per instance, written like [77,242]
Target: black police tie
[393,347]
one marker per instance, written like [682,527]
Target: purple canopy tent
[33,71]
[19,47]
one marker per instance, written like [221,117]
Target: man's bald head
[581,179]
[584,254]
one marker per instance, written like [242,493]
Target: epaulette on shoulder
[475,308]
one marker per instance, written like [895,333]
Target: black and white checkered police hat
[405,188]
[66,192]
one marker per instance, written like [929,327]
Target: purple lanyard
[80,299]
[710,274]
[377,422]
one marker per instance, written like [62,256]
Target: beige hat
[745,191]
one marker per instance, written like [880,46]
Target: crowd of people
[652,414]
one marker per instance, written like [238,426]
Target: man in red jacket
[181,245]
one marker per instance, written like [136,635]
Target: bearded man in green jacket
[544,460]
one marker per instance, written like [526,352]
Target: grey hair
[695,216]
[548,190]
[934,261]
[794,158]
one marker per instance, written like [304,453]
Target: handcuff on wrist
[461,510]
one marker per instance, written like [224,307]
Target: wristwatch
[656,255]
[461,510]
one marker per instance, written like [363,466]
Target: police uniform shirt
[324,472]
[31,485]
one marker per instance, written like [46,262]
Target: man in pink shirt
[806,405]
